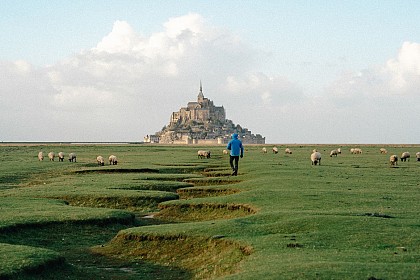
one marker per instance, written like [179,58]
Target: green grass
[353,217]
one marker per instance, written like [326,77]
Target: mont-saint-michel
[202,122]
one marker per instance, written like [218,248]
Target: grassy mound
[205,257]
[196,192]
[18,259]
[203,211]
[19,212]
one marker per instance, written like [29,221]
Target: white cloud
[132,80]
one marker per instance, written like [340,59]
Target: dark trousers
[234,167]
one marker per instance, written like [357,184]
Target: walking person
[236,150]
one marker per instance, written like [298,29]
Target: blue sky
[264,61]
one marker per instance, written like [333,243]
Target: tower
[200,97]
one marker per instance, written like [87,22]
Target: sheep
[275,150]
[316,158]
[393,160]
[100,160]
[418,156]
[41,156]
[203,154]
[264,150]
[356,151]
[288,151]
[383,150]
[51,156]
[112,160]
[405,156]
[60,156]
[72,157]
[225,152]
[333,153]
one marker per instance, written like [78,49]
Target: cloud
[128,85]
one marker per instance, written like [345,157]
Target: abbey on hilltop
[201,122]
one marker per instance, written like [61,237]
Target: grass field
[162,213]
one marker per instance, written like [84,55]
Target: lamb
[51,156]
[316,158]
[288,151]
[112,160]
[100,160]
[333,153]
[393,160]
[203,154]
[72,157]
[60,156]
[405,156]
[275,150]
[264,150]
[418,156]
[41,156]
[383,150]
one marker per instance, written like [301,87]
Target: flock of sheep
[72,158]
[316,156]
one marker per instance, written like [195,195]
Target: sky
[319,72]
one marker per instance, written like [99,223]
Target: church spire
[200,94]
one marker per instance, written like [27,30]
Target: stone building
[201,122]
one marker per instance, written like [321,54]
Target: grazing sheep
[225,152]
[393,160]
[72,157]
[333,153]
[383,150]
[60,156]
[405,156]
[113,160]
[356,151]
[288,151]
[264,150]
[203,154]
[40,156]
[51,156]
[316,158]
[100,160]
[275,150]
[418,156]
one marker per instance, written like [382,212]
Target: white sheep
[316,158]
[225,152]
[333,153]
[51,156]
[288,151]
[60,156]
[41,156]
[264,150]
[393,160]
[383,150]
[275,150]
[203,154]
[100,160]
[405,156]
[72,157]
[113,160]
[418,156]
[356,151]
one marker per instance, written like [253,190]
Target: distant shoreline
[55,143]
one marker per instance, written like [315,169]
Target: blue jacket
[235,146]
